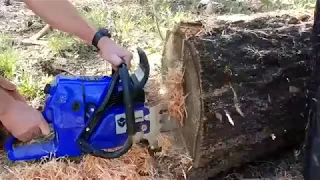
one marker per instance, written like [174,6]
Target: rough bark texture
[250,73]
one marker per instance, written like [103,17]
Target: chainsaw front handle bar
[130,85]
[141,75]
[93,123]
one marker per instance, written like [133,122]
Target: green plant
[31,87]
[8,56]
[8,59]
[97,16]
[5,42]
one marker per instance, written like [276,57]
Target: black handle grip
[130,119]
[143,70]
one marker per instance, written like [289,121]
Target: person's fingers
[4,83]
[43,124]
[127,58]
[115,60]
[22,137]
[17,96]
[44,128]
[114,67]
[36,131]
[32,133]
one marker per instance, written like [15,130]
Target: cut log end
[239,78]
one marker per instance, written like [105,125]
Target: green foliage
[8,57]
[31,87]
[27,85]
[6,42]
[97,16]
[61,42]
[303,4]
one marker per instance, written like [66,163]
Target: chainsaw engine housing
[70,102]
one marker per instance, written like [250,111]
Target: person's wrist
[100,38]
[104,43]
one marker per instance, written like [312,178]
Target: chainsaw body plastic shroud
[71,101]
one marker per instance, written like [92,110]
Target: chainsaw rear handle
[28,152]
[130,119]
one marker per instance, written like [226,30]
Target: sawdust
[170,91]
[175,94]
[155,90]
[131,166]
[137,164]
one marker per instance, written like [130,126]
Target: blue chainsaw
[91,114]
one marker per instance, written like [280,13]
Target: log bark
[245,83]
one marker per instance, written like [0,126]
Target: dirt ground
[37,64]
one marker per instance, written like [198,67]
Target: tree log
[245,83]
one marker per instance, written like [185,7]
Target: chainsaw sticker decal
[120,120]
[120,123]
[139,116]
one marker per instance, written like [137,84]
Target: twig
[156,19]
[42,32]
[35,42]
[35,38]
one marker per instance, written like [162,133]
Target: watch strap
[99,34]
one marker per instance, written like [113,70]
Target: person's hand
[113,53]
[24,122]
[20,119]
[11,89]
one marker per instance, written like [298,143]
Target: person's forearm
[62,15]
[6,102]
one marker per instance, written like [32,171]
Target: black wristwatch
[99,34]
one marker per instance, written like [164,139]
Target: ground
[133,24]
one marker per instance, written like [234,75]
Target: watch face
[106,32]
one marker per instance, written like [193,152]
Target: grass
[32,87]
[8,59]
[61,42]
[144,26]
[8,56]
[11,68]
